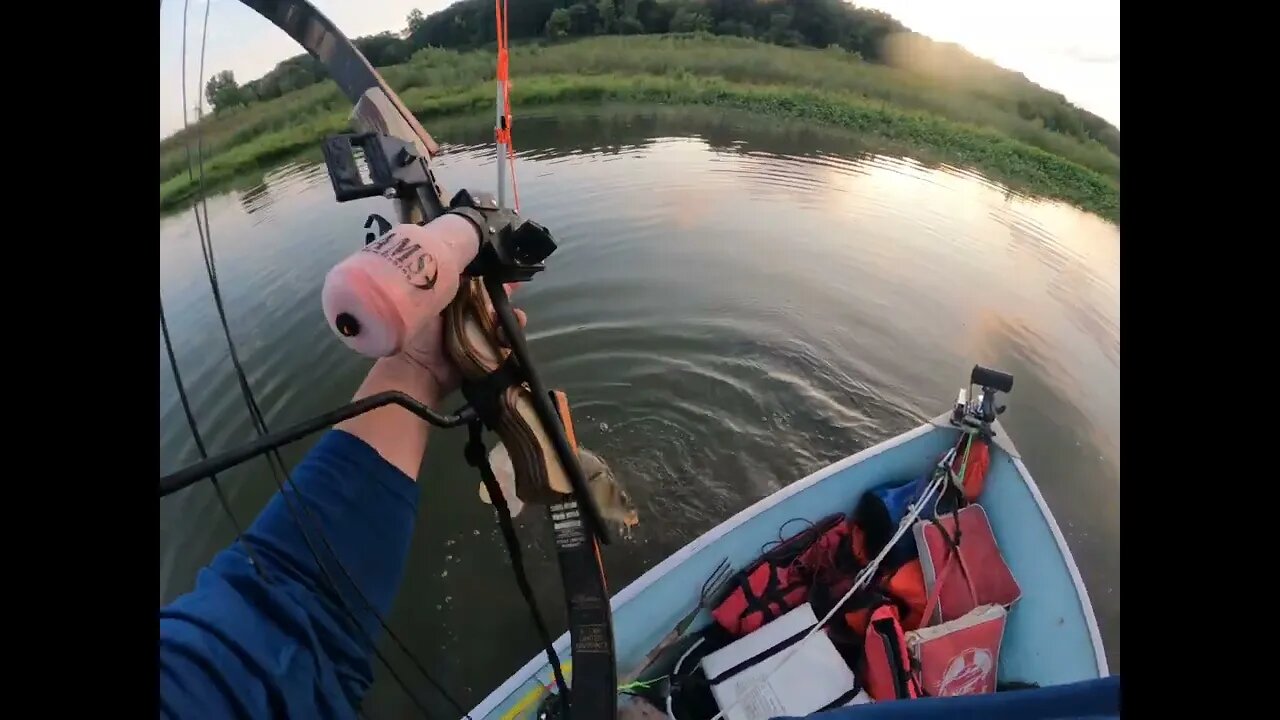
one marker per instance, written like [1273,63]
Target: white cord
[935,485]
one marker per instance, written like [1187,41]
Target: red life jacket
[904,589]
[831,565]
[886,664]
[778,581]
[759,595]
[975,472]
[857,610]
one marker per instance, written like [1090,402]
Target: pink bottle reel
[379,297]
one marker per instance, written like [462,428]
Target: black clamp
[511,248]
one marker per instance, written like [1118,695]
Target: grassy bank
[965,125]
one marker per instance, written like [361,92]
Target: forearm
[398,435]
[279,629]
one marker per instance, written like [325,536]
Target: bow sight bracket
[395,168]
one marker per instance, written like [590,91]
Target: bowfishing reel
[511,248]
[977,412]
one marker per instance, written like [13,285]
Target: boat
[1051,637]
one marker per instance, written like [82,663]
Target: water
[733,305]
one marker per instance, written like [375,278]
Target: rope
[641,684]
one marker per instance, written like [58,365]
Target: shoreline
[1021,166]
[979,123]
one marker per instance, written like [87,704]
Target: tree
[608,17]
[383,49]
[734,27]
[584,17]
[222,92]
[687,19]
[558,24]
[781,32]
[414,21]
[630,26]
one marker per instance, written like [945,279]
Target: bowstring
[195,434]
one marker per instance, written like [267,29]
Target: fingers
[521,318]
[510,288]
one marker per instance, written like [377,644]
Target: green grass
[969,126]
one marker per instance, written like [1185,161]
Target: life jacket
[907,588]
[858,608]
[775,583]
[886,664]
[904,588]
[759,595]
[975,470]
[831,564]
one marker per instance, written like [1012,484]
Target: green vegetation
[970,124]
[824,24]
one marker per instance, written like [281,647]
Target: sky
[244,42]
[1071,47]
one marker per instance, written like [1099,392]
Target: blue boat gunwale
[530,669]
[1003,440]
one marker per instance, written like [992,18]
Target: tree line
[814,23]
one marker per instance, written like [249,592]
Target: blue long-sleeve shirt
[277,643]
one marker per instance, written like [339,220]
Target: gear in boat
[928,568]
[925,569]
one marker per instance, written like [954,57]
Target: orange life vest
[886,664]
[760,594]
[778,581]
[906,586]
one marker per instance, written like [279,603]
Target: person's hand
[425,348]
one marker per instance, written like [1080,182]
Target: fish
[615,504]
[611,498]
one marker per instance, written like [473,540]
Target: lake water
[734,304]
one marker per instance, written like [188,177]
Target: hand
[425,348]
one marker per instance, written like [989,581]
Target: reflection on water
[731,308]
